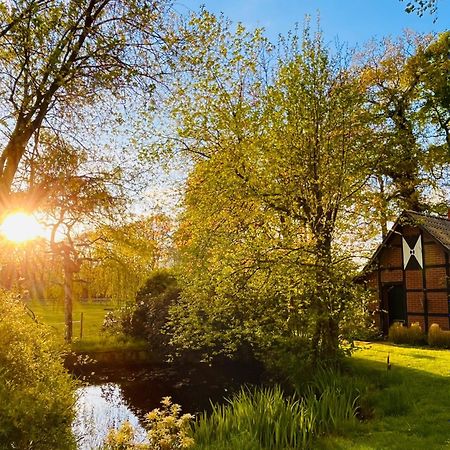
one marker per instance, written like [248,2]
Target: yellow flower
[166,401]
[152,415]
[187,442]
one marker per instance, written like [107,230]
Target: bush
[399,334]
[438,337]
[36,392]
[147,316]
[166,430]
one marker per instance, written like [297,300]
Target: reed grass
[265,418]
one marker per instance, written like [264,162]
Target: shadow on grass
[407,407]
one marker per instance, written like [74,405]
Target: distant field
[93,314]
[53,314]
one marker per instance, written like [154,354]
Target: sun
[21,227]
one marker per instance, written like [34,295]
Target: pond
[112,395]
[100,408]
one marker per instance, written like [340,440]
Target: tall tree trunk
[383,207]
[325,341]
[68,297]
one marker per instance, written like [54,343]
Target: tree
[77,196]
[420,7]
[123,255]
[407,86]
[284,152]
[58,58]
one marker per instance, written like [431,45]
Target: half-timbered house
[410,273]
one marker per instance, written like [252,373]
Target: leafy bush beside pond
[166,430]
[36,392]
[147,316]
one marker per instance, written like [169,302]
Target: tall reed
[265,418]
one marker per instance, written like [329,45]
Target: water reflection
[100,408]
[116,394]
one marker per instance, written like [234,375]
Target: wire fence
[81,322]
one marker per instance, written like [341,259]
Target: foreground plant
[166,430]
[268,419]
[36,392]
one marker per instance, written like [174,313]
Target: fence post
[81,326]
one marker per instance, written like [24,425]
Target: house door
[395,300]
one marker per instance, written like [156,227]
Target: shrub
[147,316]
[121,439]
[399,334]
[437,337]
[36,392]
[166,430]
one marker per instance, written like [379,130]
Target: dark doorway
[394,301]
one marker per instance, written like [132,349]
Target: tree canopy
[288,145]
[64,61]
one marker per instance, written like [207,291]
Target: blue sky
[352,21]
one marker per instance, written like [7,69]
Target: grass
[92,338]
[263,418]
[266,418]
[52,313]
[407,407]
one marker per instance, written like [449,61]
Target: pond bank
[115,357]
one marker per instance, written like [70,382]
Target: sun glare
[21,227]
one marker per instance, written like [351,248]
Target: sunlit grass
[92,339]
[410,403]
[52,313]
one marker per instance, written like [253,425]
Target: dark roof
[437,227]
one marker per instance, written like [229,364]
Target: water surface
[115,394]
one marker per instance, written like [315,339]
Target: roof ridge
[409,211]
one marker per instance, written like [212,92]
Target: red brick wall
[433,254]
[441,321]
[391,276]
[438,302]
[391,257]
[414,301]
[413,279]
[436,278]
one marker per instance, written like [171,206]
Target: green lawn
[93,339]
[53,314]
[407,407]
